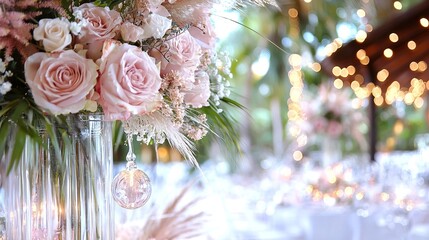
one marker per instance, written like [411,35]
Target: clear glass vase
[63,194]
[331,151]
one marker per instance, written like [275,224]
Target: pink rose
[129,82]
[199,94]
[203,32]
[102,24]
[131,32]
[182,53]
[60,83]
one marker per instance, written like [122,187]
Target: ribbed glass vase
[63,194]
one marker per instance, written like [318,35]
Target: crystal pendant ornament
[131,188]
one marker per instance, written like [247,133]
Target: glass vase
[63,194]
[331,151]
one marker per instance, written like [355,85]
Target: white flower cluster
[5,86]
[219,72]
[76,27]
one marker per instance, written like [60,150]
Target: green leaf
[18,148]
[31,131]
[50,129]
[8,107]
[118,134]
[20,109]
[4,132]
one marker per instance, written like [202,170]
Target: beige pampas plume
[177,220]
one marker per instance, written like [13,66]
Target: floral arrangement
[329,112]
[152,64]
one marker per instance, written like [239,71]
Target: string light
[361,36]
[388,53]
[393,37]
[424,22]
[397,5]
[411,45]
[361,13]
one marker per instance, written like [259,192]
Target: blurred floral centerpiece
[332,122]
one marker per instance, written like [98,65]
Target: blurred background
[335,127]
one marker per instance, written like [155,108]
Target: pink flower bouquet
[152,64]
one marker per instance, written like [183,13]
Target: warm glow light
[163,154]
[332,179]
[295,60]
[336,71]
[422,66]
[388,52]
[297,156]
[361,36]
[365,61]
[316,67]
[397,5]
[418,102]
[338,83]
[378,101]
[295,93]
[394,37]
[382,75]
[409,98]
[351,69]
[384,196]
[302,140]
[293,13]
[398,128]
[344,72]
[390,144]
[348,190]
[361,54]
[338,42]
[412,45]
[354,85]
[376,91]
[359,196]
[414,66]
[424,22]
[361,13]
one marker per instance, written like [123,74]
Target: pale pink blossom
[60,82]
[131,32]
[103,24]
[199,93]
[54,34]
[182,53]
[129,82]
[203,32]
[334,128]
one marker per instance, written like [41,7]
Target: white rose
[131,32]
[158,22]
[54,34]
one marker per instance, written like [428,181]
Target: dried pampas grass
[178,220]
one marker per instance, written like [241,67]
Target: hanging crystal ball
[131,188]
